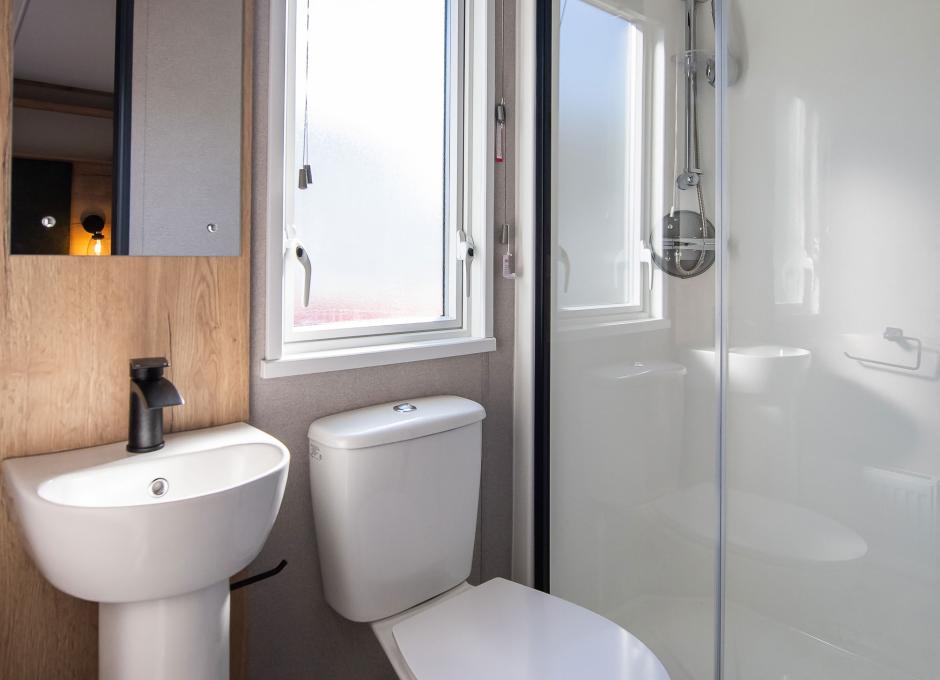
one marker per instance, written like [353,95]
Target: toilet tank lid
[395,421]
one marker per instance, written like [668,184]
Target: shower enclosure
[737,349]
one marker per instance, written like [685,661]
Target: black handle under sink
[259,577]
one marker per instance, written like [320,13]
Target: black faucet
[150,394]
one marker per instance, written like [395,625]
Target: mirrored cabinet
[126,128]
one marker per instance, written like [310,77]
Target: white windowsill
[376,355]
[584,330]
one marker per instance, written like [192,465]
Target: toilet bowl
[395,489]
[503,630]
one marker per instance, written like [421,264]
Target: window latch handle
[565,262]
[465,252]
[296,250]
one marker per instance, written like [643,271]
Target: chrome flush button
[405,408]
[159,487]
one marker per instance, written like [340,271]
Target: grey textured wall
[186,127]
[292,632]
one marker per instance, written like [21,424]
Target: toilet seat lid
[503,630]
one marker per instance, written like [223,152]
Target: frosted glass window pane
[594,117]
[374,217]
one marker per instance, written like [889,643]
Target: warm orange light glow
[94,246]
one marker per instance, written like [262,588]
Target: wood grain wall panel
[68,326]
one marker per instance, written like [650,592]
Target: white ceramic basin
[770,370]
[98,528]
[194,473]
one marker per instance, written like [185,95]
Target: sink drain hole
[159,487]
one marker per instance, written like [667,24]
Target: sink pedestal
[154,538]
[176,638]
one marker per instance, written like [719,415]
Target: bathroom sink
[156,531]
[771,371]
[196,474]
[101,528]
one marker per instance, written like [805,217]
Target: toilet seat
[501,630]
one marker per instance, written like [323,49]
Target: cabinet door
[40,190]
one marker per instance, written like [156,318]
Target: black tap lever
[150,394]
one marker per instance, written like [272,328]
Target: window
[604,99]
[379,207]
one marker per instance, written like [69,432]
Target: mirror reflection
[126,127]
[63,120]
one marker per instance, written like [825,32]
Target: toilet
[395,490]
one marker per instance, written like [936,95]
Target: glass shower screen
[833,436]
[633,510]
[769,510]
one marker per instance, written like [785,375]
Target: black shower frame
[121,171]
[543,299]
[543,294]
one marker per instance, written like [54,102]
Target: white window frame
[290,351]
[645,190]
